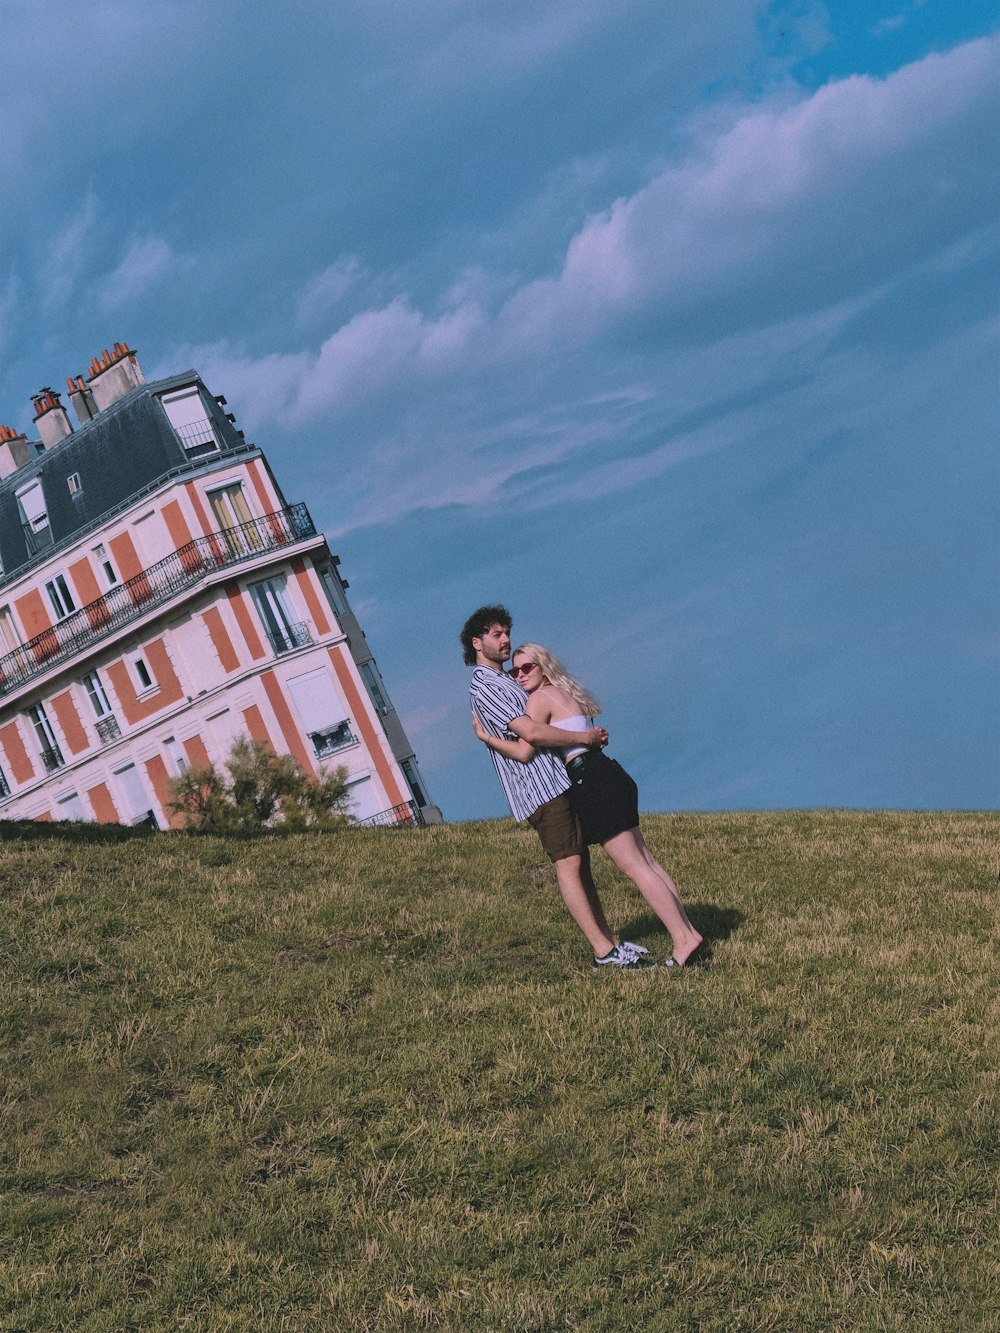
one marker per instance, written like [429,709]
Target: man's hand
[599,738]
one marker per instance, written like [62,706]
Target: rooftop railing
[159,583]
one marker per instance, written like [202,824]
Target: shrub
[263,790]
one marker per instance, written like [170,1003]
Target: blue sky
[672,326]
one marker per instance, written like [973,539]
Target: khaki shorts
[558,828]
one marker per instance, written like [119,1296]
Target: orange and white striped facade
[202,608]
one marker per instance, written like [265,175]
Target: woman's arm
[522,751]
[540,733]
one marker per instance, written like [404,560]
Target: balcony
[332,739]
[108,729]
[160,583]
[407,815]
[37,538]
[52,758]
[198,438]
[292,636]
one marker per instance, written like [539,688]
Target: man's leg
[580,896]
[562,840]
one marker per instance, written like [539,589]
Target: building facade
[159,597]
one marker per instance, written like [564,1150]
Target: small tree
[263,790]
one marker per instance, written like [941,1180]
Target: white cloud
[323,293]
[801,185]
[146,262]
[751,254]
[68,257]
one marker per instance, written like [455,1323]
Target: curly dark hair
[477,625]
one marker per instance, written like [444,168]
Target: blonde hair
[559,676]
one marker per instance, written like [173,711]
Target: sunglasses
[523,669]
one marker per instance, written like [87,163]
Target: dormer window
[34,517]
[190,419]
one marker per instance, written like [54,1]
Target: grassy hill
[368,1081]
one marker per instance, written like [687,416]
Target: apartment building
[159,596]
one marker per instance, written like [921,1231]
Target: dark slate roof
[125,450]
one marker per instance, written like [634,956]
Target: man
[538,790]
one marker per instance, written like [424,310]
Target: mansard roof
[127,449]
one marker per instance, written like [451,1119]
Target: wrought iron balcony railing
[407,815]
[108,729]
[144,592]
[332,739]
[52,758]
[292,636]
[36,539]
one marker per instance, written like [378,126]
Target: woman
[605,798]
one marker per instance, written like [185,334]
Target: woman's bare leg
[626,850]
[663,874]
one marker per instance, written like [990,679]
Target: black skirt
[605,798]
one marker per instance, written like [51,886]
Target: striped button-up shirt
[497,700]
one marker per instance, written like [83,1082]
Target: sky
[672,327]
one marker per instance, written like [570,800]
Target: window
[365,800]
[319,704]
[48,746]
[176,754]
[134,796]
[98,698]
[74,483]
[9,637]
[10,644]
[70,807]
[190,419]
[333,588]
[60,597]
[34,517]
[4,786]
[270,597]
[371,677]
[107,724]
[409,767]
[105,565]
[141,673]
[235,520]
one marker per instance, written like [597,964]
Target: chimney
[114,374]
[15,451]
[82,399]
[51,417]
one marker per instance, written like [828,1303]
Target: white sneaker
[619,957]
[637,950]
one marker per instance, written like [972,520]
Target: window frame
[106,566]
[60,594]
[135,661]
[45,735]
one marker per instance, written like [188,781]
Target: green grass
[368,1081]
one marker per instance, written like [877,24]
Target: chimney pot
[114,375]
[82,399]
[14,451]
[51,417]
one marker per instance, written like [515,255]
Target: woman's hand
[599,737]
[481,732]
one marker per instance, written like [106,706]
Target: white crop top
[576,723]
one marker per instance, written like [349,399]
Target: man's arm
[519,750]
[540,733]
